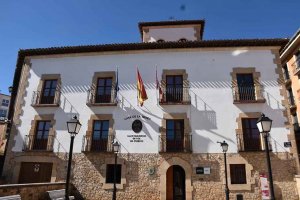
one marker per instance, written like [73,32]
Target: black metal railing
[291,100]
[39,99]
[94,98]
[286,74]
[296,127]
[183,144]
[175,95]
[247,93]
[34,143]
[90,144]
[250,144]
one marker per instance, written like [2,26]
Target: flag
[158,85]
[117,86]
[142,95]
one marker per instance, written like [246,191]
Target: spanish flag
[142,95]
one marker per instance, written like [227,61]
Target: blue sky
[35,23]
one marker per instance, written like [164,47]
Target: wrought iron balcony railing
[245,144]
[93,98]
[251,93]
[38,99]
[175,95]
[34,143]
[291,101]
[90,144]
[296,128]
[183,145]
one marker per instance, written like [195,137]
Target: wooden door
[175,183]
[170,183]
[34,172]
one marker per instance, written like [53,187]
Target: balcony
[39,100]
[250,144]
[296,65]
[248,94]
[90,144]
[175,95]
[292,104]
[296,128]
[108,99]
[32,143]
[183,145]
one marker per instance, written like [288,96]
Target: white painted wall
[171,34]
[212,113]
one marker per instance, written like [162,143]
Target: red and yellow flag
[142,95]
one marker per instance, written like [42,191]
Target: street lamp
[10,89]
[264,125]
[116,148]
[224,146]
[73,128]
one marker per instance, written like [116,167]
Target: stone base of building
[145,176]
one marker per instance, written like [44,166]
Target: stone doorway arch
[163,168]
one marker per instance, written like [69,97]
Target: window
[251,135]
[174,88]
[246,87]
[5,102]
[297,59]
[41,135]
[182,40]
[286,72]
[291,97]
[238,174]
[175,135]
[110,173]
[100,135]
[104,88]
[48,92]
[160,40]
[3,113]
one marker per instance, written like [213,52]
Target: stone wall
[89,171]
[34,191]
[89,175]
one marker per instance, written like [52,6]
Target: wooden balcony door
[41,135]
[33,172]
[175,135]
[245,87]
[251,135]
[100,135]
[48,93]
[174,88]
[176,183]
[103,92]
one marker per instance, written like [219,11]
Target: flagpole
[156,81]
[137,89]
[117,85]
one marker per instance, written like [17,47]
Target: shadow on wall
[204,117]
[269,111]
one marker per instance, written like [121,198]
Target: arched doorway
[175,183]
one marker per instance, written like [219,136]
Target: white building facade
[212,91]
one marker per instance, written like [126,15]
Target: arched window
[182,40]
[160,40]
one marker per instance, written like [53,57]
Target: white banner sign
[265,192]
